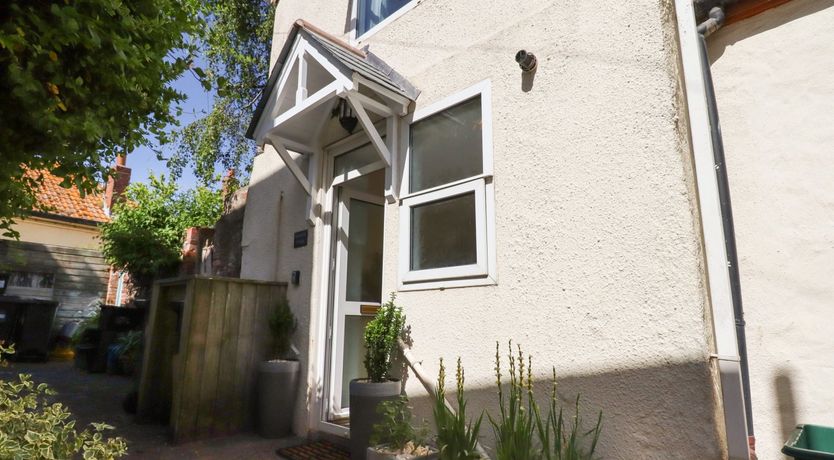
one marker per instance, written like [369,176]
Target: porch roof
[348,59]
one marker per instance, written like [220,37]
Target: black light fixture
[347,118]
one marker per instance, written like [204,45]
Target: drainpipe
[711,200]
[705,29]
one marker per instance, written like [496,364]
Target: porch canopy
[314,73]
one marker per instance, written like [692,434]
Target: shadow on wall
[653,412]
[783,388]
[768,20]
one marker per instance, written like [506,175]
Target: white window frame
[354,20]
[483,271]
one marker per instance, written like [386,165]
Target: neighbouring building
[57,256]
[552,173]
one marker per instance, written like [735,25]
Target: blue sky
[142,161]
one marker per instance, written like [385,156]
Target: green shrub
[282,325]
[381,336]
[521,433]
[515,428]
[457,439]
[395,430]
[32,428]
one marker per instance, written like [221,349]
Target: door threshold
[339,427]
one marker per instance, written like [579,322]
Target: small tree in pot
[381,336]
[278,377]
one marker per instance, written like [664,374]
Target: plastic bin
[810,442]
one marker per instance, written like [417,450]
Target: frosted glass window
[372,12]
[353,358]
[447,146]
[354,159]
[443,233]
[364,262]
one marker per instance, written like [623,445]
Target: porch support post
[291,164]
[368,126]
[301,91]
[392,138]
[312,198]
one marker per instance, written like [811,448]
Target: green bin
[810,442]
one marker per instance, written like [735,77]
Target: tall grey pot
[364,398]
[277,387]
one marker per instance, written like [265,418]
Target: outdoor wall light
[527,61]
[346,116]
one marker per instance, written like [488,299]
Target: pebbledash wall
[775,95]
[599,263]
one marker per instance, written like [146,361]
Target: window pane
[447,146]
[354,159]
[443,233]
[364,261]
[372,12]
[353,365]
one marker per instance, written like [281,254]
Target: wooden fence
[204,341]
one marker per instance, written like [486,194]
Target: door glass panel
[446,146]
[354,159]
[354,354]
[443,233]
[364,261]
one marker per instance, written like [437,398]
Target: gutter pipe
[702,128]
[705,29]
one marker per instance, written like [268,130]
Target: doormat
[319,450]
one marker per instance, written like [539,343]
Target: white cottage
[570,204]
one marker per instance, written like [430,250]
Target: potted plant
[278,377]
[395,438]
[381,336]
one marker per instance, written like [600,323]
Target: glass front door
[357,288]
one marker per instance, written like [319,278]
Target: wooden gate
[204,340]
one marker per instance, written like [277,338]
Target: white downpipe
[718,277]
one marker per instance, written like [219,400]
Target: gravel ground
[98,398]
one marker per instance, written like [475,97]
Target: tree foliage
[236,46]
[82,81]
[145,235]
[33,427]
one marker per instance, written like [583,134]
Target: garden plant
[32,427]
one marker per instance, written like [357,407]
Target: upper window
[446,219]
[370,13]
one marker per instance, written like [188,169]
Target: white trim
[319,97]
[484,271]
[715,250]
[482,89]
[478,269]
[368,33]
[376,107]
[401,101]
[292,165]
[370,129]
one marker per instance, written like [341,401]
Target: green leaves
[282,325]
[32,427]
[381,335]
[457,436]
[146,233]
[81,83]
[235,45]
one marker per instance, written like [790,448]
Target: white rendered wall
[775,92]
[599,262]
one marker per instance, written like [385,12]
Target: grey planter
[277,388]
[364,398]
